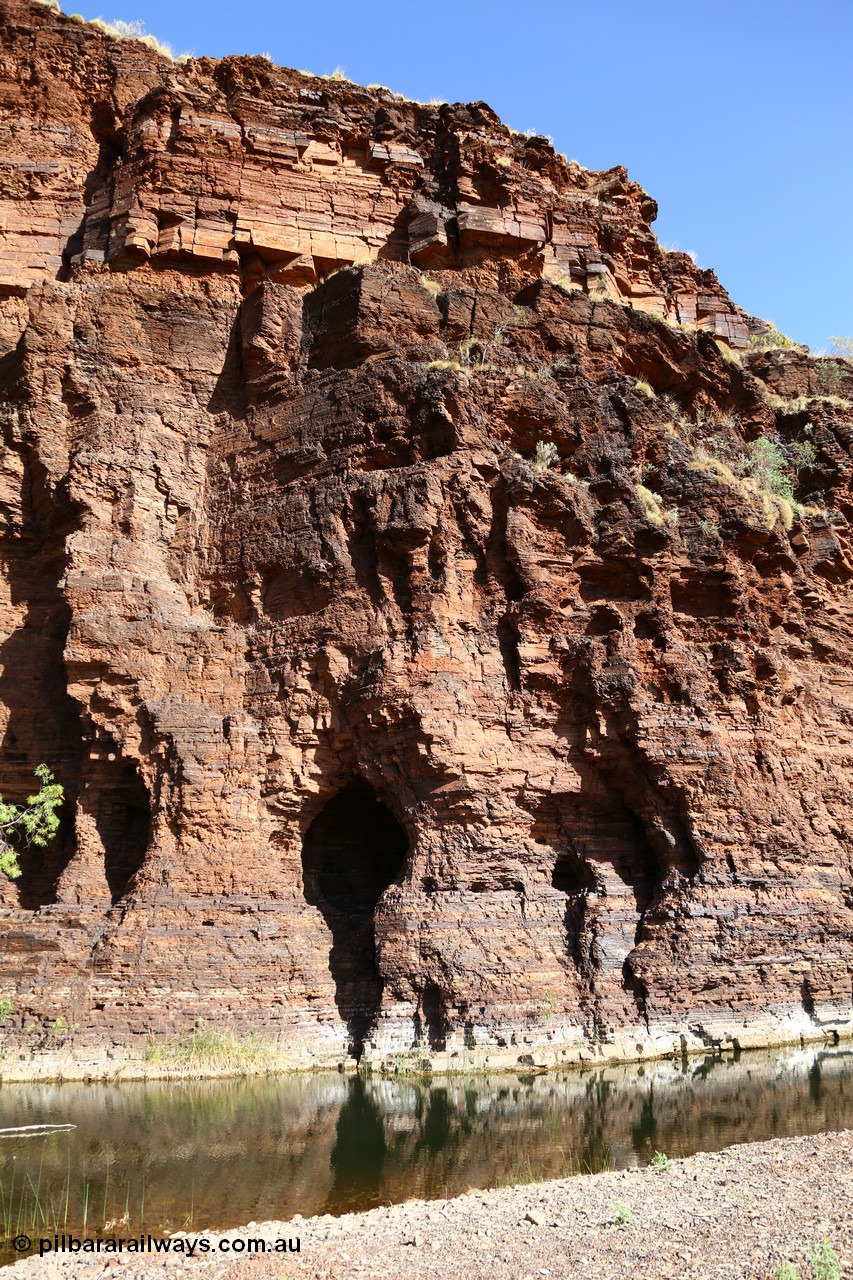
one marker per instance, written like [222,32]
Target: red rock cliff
[400,572]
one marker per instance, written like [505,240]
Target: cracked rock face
[400,573]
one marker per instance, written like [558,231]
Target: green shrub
[824,1262]
[767,465]
[34,824]
[60,1031]
[6,1007]
[802,455]
[660,1161]
[772,340]
[549,1005]
[829,375]
[762,473]
[622,1215]
[787,1271]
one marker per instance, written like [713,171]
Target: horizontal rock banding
[350,442]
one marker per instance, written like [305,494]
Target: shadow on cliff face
[92,234]
[123,820]
[42,728]
[353,850]
[435,1018]
[610,875]
[42,723]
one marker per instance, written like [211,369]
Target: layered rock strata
[401,574]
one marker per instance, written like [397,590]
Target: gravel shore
[732,1215]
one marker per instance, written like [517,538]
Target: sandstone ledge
[732,1215]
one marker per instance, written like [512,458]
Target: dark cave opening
[123,820]
[570,875]
[573,877]
[638,866]
[434,1014]
[353,850]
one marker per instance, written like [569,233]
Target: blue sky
[736,115]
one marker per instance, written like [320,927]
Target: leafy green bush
[762,473]
[772,340]
[768,467]
[802,455]
[829,376]
[824,1262]
[35,823]
[622,1215]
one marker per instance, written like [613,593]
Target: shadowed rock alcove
[435,1017]
[123,820]
[353,850]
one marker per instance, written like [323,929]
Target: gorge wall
[433,596]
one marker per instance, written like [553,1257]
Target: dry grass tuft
[206,1050]
[729,356]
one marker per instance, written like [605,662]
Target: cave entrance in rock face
[353,850]
[124,824]
[434,1009]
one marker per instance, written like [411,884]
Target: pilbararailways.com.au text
[188,1245]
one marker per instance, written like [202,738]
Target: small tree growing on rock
[35,823]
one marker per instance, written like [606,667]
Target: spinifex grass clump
[206,1049]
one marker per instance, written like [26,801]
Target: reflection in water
[220,1153]
[358,1156]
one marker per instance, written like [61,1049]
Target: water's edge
[630,1045]
[200,1155]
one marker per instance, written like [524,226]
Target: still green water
[219,1154]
